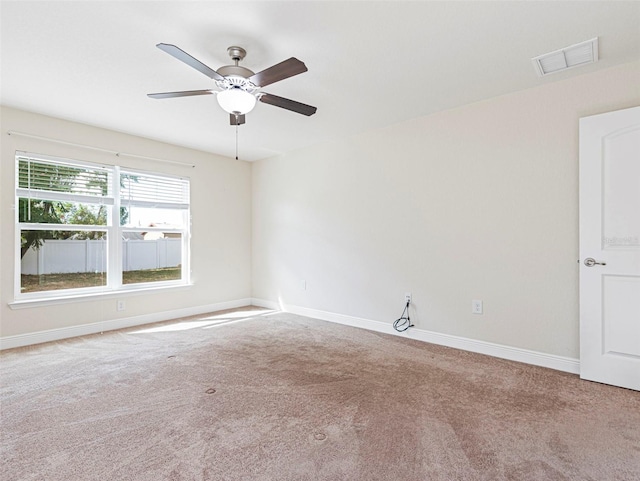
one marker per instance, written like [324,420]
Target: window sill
[94,296]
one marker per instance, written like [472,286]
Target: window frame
[114,284]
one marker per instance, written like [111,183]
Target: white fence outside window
[70,256]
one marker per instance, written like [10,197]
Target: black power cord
[403,323]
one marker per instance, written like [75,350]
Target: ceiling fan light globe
[236,101]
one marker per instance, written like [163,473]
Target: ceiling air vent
[568,57]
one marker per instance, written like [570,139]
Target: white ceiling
[371,64]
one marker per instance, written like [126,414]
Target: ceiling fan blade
[277,72]
[288,104]
[184,93]
[236,119]
[189,60]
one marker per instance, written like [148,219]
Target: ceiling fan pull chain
[236,137]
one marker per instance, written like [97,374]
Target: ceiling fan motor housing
[236,54]
[236,70]
[235,76]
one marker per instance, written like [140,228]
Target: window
[86,228]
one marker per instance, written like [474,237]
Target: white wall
[474,203]
[221,219]
[479,202]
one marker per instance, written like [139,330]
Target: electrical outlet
[407,297]
[476,306]
[120,305]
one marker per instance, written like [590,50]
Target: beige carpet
[284,397]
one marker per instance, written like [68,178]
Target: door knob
[590,262]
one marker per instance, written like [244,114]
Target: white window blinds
[50,179]
[148,190]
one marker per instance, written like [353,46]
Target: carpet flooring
[261,395]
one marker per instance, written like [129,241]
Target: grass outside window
[51,282]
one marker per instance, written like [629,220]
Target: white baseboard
[110,325]
[526,356]
[559,363]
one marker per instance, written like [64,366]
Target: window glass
[61,259]
[153,217]
[152,256]
[59,212]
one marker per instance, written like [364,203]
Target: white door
[610,248]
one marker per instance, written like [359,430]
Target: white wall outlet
[120,305]
[407,297]
[476,306]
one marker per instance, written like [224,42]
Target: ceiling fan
[240,88]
